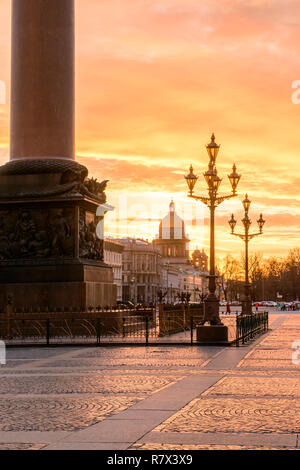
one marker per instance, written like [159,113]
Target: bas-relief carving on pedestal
[36,233]
[90,246]
[49,232]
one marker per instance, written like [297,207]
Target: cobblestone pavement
[21,446]
[105,384]
[58,414]
[166,447]
[256,387]
[155,398]
[236,415]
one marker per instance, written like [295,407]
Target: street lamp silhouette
[212,202]
[246,237]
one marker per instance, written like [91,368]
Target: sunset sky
[155,78]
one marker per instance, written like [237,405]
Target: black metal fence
[248,326]
[157,327]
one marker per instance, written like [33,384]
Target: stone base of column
[57,287]
[212,334]
[49,251]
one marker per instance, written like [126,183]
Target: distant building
[141,270]
[113,250]
[200,260]
[179,272]
[171,282]
[172,242]
[194,283]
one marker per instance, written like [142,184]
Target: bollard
[147,330]
[9,309]
[123,327]
[48,331]
[98,326]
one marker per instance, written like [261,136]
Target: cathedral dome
[172,226]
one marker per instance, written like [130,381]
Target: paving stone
[269,364]
[222,439]
[58,414]
[21,446]
[226,414]
[85,384]
[256,386]
[88,446]
[179,447]
[271,353]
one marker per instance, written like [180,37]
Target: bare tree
[230,274]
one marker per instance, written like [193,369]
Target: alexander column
[42,84]
[49,252]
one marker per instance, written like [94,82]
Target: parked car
[125,304]
[270,303]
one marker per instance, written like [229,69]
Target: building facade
[113,250]
[195,283]
[141,271]
[171,282]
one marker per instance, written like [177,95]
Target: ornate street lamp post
[246,237]
[213,181]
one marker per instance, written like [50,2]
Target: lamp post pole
[246,237]
[213,200]
[132,288]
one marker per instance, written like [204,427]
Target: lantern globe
[261,222]
[246,203]
[216,183]
[213,150]
[209,176]
[247,222]
[234,179]
[232,223]
[191,179]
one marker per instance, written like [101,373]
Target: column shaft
[42,84]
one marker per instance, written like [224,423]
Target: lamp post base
[211,311]
[246,301]
[212,334]
[246,307]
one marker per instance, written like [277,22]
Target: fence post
[169,326]
[9,309]
[48,331]
[123,327]
[252,323]
[237,333]
[192,328]
[243,320]
[147,330]
[98,331]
